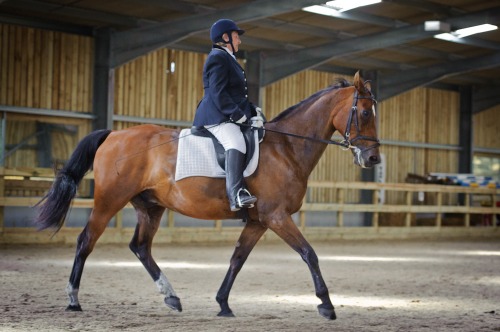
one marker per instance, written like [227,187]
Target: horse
[293,143]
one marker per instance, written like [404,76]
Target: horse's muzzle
[366,158]
[372,161]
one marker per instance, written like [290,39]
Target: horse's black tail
[54,206]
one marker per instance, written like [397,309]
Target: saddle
[201,154]
[248,135]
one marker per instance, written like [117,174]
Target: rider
[225,106]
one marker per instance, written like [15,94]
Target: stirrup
[250,201]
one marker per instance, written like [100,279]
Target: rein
[343,143]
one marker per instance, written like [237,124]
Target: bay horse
[292,146]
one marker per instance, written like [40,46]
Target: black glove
[238,117]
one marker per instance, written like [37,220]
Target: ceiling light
[322,10]
[333,8]
[344,5]
[460,33]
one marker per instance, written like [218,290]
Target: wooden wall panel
[48,70]
[22,133]
[45,69]
[279,96]
[403,117]
[147,87]
[186,85]
[419,116]
[443,114]
[19,131]
[486,128]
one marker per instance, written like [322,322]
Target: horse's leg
[289,232]
[85,244]
[248,238]
[148,223]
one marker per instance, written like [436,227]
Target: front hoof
[328,313]
[173,302]
[225,314]
[73,308]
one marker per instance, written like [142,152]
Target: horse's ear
[368,85]
[359,83]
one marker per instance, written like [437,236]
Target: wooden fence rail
[408,209]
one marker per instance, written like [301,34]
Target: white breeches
[229,135]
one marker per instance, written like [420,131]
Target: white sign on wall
[380,176]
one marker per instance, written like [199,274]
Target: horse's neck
[314,123]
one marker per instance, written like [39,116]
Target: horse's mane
[339,83]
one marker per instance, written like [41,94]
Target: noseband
[353,114]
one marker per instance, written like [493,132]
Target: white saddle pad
[196,157]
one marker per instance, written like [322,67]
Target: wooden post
[340,212]
[170,219]
[119,220]
[302,220]
[467,215]
[218,225]
[439,204]
[408,214]
[2,193]
[494,215]
[375,201]
[302,215]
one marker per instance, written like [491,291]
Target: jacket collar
[226,50]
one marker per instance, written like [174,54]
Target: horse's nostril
[374,159]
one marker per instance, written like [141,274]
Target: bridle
[353,114]
[346,143]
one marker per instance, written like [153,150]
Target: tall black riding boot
[238,195]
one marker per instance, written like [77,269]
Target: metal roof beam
[372,19]
[130,44]
[429,6]
[180,6]
[303,29]
[72,11]
[484,97]
[46,24]
[392,85]
[279,66]
[282,65]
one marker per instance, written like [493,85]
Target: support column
[368,174]
[465,134]
[3,131]
[44,144]
[104,81]
[253,73]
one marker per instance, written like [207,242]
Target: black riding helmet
[221,27]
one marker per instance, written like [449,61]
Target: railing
[408,209]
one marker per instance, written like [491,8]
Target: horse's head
[360,134]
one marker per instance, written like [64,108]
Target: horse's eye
[365,113]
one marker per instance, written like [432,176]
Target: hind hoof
[328,313]
[225,314]
[74,308]
[173,302]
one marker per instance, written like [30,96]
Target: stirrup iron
[251,199]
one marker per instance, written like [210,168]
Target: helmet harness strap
[230,41]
